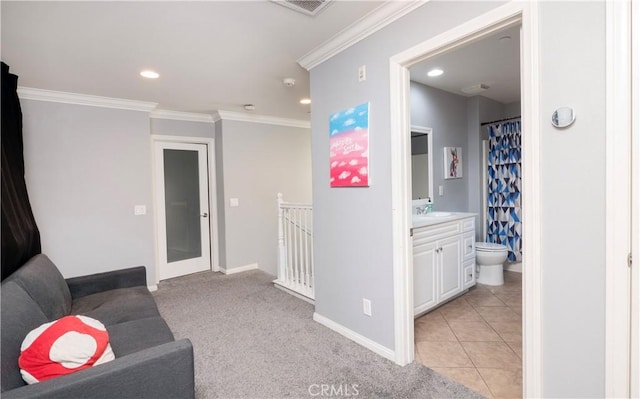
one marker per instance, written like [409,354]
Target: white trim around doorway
[213,207]
[635,202]
[511,14]
[620,147]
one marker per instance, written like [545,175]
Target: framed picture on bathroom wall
[452,162]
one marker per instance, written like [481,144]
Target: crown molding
[181,116]
[29,93]
[359,30]
[268,120]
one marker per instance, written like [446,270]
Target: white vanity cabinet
[443,261]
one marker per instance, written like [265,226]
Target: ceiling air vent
[308,7]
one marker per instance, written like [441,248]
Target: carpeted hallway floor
[252,340]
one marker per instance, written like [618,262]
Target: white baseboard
[152,288]
[355,337]
[240,269]
[513,267]
[292,292]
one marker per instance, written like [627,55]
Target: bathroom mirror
[421,163]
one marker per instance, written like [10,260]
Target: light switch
[234,202]
[140,210]
[440,191]
[362,73]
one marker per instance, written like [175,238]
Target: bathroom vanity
[444,258]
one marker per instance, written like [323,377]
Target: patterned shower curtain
[504,200]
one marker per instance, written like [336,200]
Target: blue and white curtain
[504,199]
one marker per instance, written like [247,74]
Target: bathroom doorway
[504,17]
[468,94]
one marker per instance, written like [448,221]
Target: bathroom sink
[437,214]
[430,216]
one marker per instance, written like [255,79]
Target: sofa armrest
[94,283]
[164,371]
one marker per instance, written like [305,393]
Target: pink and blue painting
[349,147]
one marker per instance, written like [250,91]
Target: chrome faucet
[425,209]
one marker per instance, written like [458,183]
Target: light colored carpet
[252,340]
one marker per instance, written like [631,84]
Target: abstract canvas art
[452,162]
[349,147]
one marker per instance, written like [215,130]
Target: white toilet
[489,258]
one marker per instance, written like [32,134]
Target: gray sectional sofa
[149,362]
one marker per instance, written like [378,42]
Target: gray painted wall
[353,249]
[352,226]
[258,162]
[512,109]
[573,199]
[86,168]
[446,114]
[170,127]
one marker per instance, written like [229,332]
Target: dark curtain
[20,235]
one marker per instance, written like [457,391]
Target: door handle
[204,215]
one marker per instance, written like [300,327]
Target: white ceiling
[490,60]
[211,55]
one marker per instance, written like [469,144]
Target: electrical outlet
[362,73]
[234,202]
[140,210]
[366,307]
[440,191]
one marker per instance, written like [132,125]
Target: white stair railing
[295,249]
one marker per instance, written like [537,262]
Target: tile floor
[476,339]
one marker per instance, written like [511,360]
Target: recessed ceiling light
[149,74]
[250,107]
[504,39]
[435,72]
[305,101]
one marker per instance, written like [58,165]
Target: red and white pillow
[64,346]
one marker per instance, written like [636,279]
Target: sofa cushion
[136,335]
[42,280]
[20,314]
[117,306]
[62,347]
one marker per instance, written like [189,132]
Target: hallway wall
[353,253]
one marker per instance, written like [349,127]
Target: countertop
[425,221]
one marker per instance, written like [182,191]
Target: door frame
[213,207]
[511,14]
[635,202]
[620,148]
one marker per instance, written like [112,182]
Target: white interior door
[182,194]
